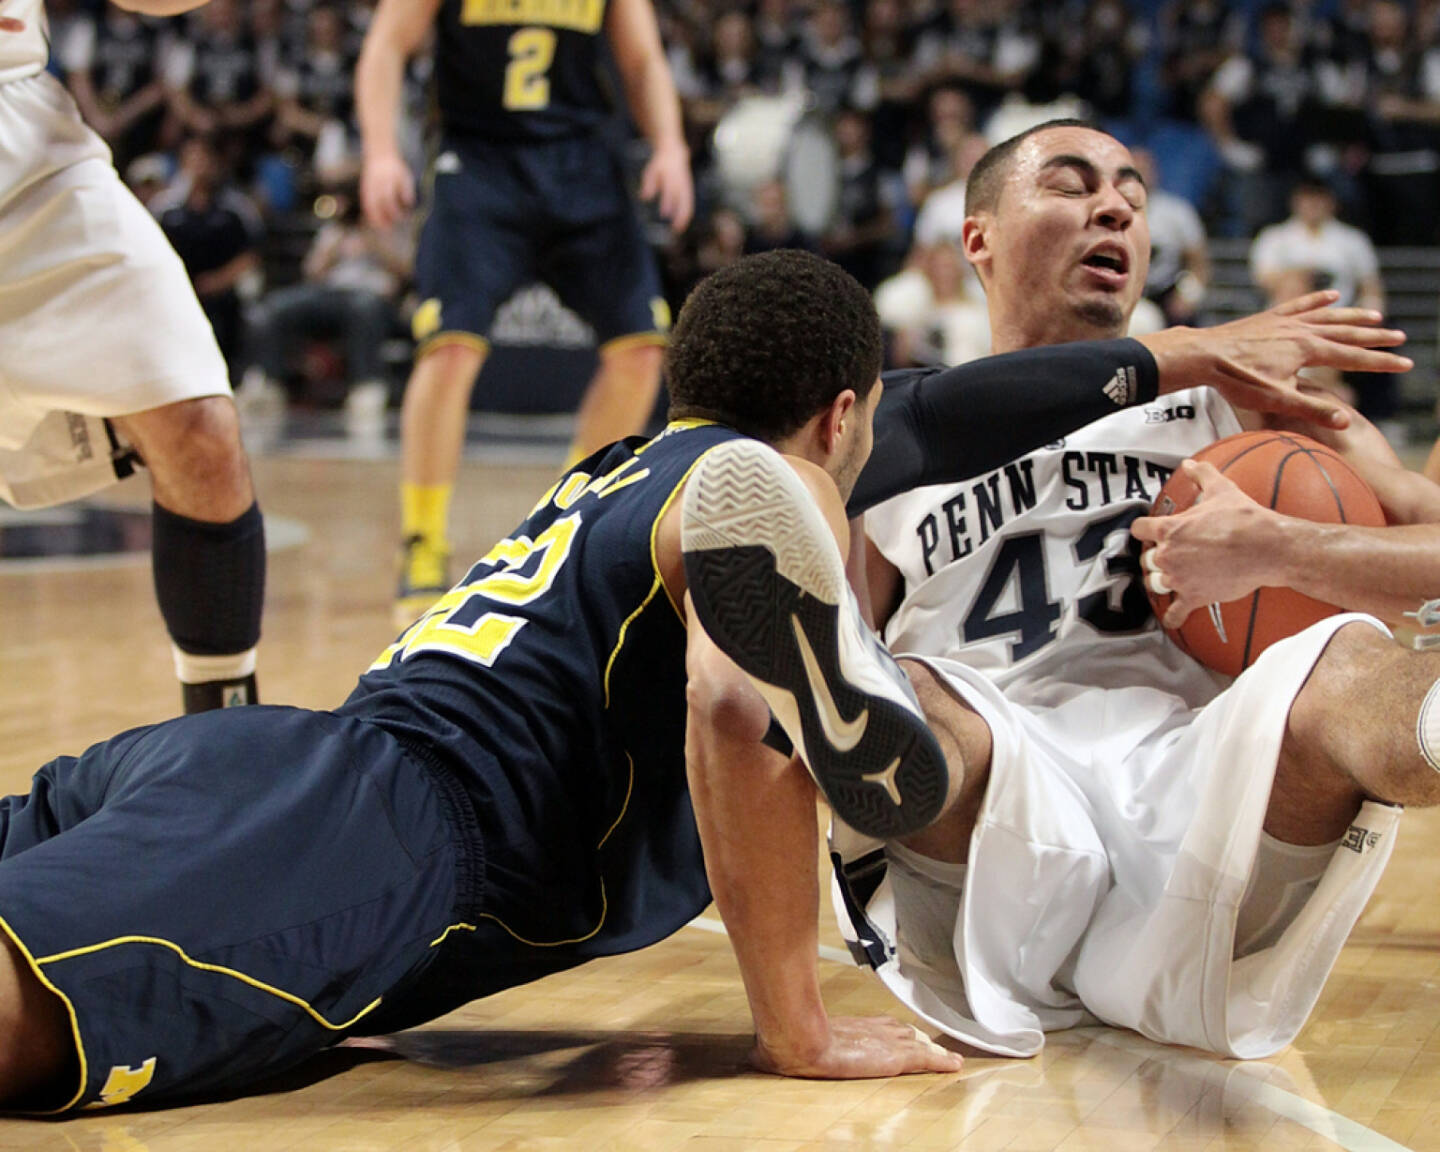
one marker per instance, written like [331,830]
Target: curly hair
[766,343]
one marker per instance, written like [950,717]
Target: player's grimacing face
[1069,243]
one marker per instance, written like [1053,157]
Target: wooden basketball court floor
[647,1051]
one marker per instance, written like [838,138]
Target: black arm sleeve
[937,426]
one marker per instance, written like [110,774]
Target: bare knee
[193,451]
[633,364]
[37,1048]
[448,365]
[1352,734]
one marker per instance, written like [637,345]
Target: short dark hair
[767,342]
[982,189]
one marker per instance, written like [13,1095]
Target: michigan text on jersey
[580,15]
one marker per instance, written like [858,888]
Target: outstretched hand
[1254,362]
[860,1048]
[1214,551]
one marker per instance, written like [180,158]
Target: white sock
[192,669]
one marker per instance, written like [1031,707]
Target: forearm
[945,426]
[755,811]
[379,78]
[654,103]
[1384,571]
[756,815]
[227,276]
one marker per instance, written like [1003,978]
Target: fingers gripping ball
[1293,475]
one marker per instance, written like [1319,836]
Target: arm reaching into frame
[942,426]
[1226,545]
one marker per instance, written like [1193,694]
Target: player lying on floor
[1121,835]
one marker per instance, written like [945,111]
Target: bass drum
[763,139]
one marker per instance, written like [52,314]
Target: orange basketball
[1291,474]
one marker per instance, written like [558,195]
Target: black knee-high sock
[210,585]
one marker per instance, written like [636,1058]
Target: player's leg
[208,545]
[244,889]
[433,417]
[621,395]
[473,253]
[965,741]
[100,319]
[767,578]
[1366,724]
[36,1046]
[603,269]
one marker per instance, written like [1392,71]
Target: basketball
[1293,475]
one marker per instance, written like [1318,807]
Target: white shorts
[97,314]
[1112,851]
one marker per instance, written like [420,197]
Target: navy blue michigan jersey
[551,682]
[520,69]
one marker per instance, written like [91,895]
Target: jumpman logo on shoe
[843,734]
[886,780]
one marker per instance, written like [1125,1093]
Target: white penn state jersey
[24,53]
[1049,596]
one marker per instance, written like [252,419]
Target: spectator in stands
[930,160]
[353,275]
[859,237]
[1403,97]
[886,39]
[1099,65]
[771,225]
[315,102]
[149,178]
[1257,109]
[1179,249]
[1313,250]
[216,233]
[942,215]
[723,243]
[989,49]
[216,86]
[111,62]
[1196,37]
[1332,254]
[776,36]
[830,64]
[932,311]
[728,69]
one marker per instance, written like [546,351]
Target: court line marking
[1348,1134]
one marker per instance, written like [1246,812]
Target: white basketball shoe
[768,584]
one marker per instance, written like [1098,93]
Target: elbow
[728,706]
[719,697]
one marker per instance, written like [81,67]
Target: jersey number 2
[527,87]
[521,570]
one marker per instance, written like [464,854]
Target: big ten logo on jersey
[1167,415]
[123,1083]
[516,572]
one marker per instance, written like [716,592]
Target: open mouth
[1107,261]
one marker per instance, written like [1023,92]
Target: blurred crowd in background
[842,126]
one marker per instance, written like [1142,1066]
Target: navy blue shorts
[218,897]
[504,215]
